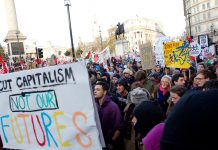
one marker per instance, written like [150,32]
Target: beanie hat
[193,123]
[138,95]
[127,70]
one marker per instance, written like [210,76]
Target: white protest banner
[48,108]
[159,50]
[195,49]
[208,52]
[203,40]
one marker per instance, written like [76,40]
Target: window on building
[195,19]
[196,29]
[135,35]
[199,28]
[197,8]
[208,5]
[208,15]
[141,34]
[203,6]
[204,16]
[216,2]
[193,1]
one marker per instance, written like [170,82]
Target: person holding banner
[110,118]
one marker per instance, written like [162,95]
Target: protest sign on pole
[48,108]
[195,49]
[203,40]
[146,54]
[176,54]
[159,50]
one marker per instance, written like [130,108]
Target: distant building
[139,31]
[202,18]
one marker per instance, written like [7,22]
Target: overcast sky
[46,20]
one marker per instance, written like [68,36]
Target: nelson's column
[14,38]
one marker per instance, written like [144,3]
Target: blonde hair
[168,78]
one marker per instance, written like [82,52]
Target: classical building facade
[141,30]
[202,18]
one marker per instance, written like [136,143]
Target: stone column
[11,15]
[14,37]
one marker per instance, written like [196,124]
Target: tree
[59,53]
[67,53]
[111,40]
[2,53]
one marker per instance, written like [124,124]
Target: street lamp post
[67,4]
[189,21]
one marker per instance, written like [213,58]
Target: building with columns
[138,31]
[202,18]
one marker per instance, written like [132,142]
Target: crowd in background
[137,107]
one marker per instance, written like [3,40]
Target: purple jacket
[110,117]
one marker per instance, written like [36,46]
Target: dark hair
[212,84]
[205,73]
[124,82]
[135,85]
[103,84]
[178,90]
[176,77]
[201,63]
[140,75]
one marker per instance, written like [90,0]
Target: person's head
[165,82]
[115,78]
[176,92]
[202,77]
[101,89]
[122,85]
[98,74]
[127,72]
[212,84]
[140,76]
[201,67]
[192,125]
[158,68]
[105,76]
[136,84]
[167,71]
[178,79]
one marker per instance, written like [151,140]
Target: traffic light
[40,52]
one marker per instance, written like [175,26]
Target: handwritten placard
[48,108]
[177,55]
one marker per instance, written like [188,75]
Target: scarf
[164,91]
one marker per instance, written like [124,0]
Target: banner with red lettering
[48,108]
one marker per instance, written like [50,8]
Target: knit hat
[193,123]
[138,95]
[127,70]
[176,72]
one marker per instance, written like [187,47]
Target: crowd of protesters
[157,108]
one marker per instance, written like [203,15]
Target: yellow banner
[176,54]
